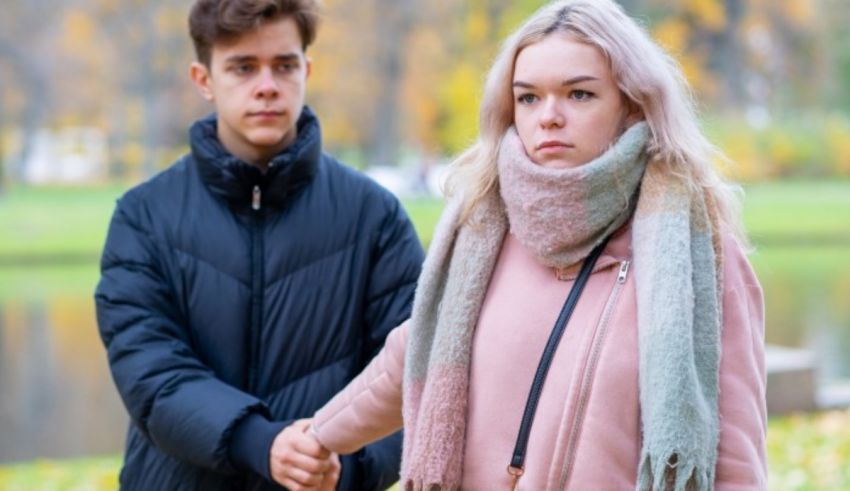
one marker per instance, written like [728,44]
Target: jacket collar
[234,180]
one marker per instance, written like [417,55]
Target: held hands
[298,461]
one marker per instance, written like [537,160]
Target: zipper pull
[624,269]
[256,200]
[515,473]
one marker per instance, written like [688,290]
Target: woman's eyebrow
[580,78]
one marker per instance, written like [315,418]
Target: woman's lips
[553,146]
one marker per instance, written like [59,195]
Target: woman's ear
[633,113]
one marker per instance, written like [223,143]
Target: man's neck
[259,156]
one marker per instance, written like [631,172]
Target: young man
[245,285]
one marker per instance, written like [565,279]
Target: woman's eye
[526,98]
[581,95]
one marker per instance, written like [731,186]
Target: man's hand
[299,462]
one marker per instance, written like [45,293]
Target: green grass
[806,452]
[798,209]
[48,281]
[71,222]
[55,222]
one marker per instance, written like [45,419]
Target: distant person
[586,318]
[248,283]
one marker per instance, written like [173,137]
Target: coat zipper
[516,467]
[589,373]
[256,288]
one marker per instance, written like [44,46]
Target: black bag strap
[517,465]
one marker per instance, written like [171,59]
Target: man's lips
[265,114]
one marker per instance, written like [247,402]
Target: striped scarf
[676,256]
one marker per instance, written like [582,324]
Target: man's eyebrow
[287,57]
[251,58]
[240,58]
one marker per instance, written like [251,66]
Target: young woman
[586,317]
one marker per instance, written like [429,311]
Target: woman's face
[567,106]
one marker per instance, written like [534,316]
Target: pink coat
[587,432]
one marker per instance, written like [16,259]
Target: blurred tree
[838,36]
[151,45]
[394,20]
[389,74]
[22,56]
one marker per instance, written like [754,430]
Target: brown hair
[213,21]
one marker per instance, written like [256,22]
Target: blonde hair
[646,75]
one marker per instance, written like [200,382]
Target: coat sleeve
[172,397]
[369,408]
[741,460]
[396,262]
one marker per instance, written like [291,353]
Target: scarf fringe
[655,473]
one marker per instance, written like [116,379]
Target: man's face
[257,84]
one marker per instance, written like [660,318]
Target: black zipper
[256,287]
[517,465]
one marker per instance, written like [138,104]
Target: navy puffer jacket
[232,302]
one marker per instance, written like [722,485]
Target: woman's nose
[552,115]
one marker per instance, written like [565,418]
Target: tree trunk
[382,147]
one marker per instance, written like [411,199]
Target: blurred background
[95,97]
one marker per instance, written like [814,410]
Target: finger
[307,444]
[292,485]
[334,465]
[304,478]
[302,424]
[332,476]
[307,463]
[331,480]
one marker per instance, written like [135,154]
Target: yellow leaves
[799,13]
[837,135]
[460,99]
[809,451]
[673,34]
[168,20]
[477,27]
[90,474]
[710,14]
[79,28]
[421,85]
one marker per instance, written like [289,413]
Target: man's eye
[242,69]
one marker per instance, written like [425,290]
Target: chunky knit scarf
[676,257]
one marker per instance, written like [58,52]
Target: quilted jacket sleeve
[176,401]
[370,406]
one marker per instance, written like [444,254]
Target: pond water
[57,399]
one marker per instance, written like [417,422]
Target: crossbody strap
[517,465]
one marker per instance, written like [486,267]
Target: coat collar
[234,180]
